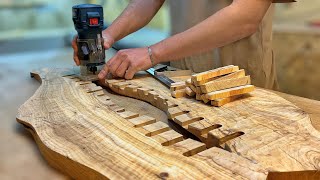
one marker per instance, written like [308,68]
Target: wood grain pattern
[81,135]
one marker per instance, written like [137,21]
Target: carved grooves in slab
[210,133]
[146,125]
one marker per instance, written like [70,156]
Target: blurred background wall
[43,25]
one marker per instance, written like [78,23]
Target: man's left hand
[126,63]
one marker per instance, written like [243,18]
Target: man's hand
[107,43]
[126,63]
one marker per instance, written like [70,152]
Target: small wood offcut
[217,87]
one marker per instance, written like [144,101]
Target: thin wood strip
[214,73]
[230,92]
[224,84]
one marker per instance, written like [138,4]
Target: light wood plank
[224,101]
[230,92]
[224,84]
[178,93]
[214,73]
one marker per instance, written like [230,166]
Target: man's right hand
[108,42]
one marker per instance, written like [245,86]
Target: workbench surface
[18,150]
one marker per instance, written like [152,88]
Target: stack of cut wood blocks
[219,86]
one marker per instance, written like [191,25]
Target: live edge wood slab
[85,134]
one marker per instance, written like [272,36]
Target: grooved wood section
[168,138]
[262,127]
[202,127]
[142,121]
[190,147]
[230,92]
[155,128]
[82,136]
[224,84]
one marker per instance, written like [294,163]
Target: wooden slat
[230,92]
[142,121]
[168,138]
[190,147]
[177,86]
[224,84]
[178,93]
[175,111]
[236,74]
[203,127]
[186,119]
[189,92]
[154,129]
[217,138]
[223,101]
[128,114]
[214,73]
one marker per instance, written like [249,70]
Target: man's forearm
[136,15]
[230,24]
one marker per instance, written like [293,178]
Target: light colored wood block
[154,129]
[236,74]
[190,147]
[230,92]
[224,101]
[168,138]
[142,121]
[198,97]
[224,84]
[214,73]
[178,93]
[204,99]
[189,92]
[188,82]
[177,86]
[128,114]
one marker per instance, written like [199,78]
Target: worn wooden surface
[79,133]
[58,90]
